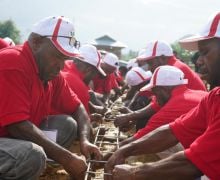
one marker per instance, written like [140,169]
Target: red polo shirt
[104,85]
[181,101]
[23,95]
[75,80]
[199,133]
[194,81]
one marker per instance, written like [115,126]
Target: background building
[107,43]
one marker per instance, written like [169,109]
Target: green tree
[9,29]
[182,53]
[131,54]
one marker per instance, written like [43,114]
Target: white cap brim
[144,58]
[98,68]
[191,43]
[149,86]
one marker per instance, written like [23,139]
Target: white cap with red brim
[111,59]
[155,49]
[137,76]
[60,31]
[90,55]
[166,76]
[210,30]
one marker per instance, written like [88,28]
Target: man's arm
[175,167]
[134,98]
[82,118]
[97,109]
[130,94]
[105,98]
[122,120]
[25,130]
[156,141]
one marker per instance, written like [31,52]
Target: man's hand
[123,171]
[76,167]
[122,120]
[124,110]
[95,117]
[88,150]
[115,159]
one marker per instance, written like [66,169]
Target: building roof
[106,40]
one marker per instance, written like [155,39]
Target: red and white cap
[132,63]
[166,76]
[60,31]
[3,43]
[136,76]
[111,59]
[155,49]
[90,55]
[9,41]
[210,30]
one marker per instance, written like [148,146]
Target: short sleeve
[64,99]
[15,96]
[188,127]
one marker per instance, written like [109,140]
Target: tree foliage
[9,29]
[131,54]
[182,53]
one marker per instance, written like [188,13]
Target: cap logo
[72,33]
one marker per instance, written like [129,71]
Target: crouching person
[31,86]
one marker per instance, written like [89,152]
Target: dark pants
[66,128]
[23,160]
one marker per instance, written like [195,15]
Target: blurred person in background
[102,85]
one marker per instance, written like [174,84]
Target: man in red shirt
[31,86]
[80,71]
[197,131]
[102,85]
[169,87]
[158,53]
[136,78]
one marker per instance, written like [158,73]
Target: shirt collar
[172,60]
[179,90]
[76,71]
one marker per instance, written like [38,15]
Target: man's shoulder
[197,92]
[179,64]
[11,51]
[11,57]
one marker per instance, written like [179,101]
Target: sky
[133,22]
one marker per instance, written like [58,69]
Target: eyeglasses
[72,40]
